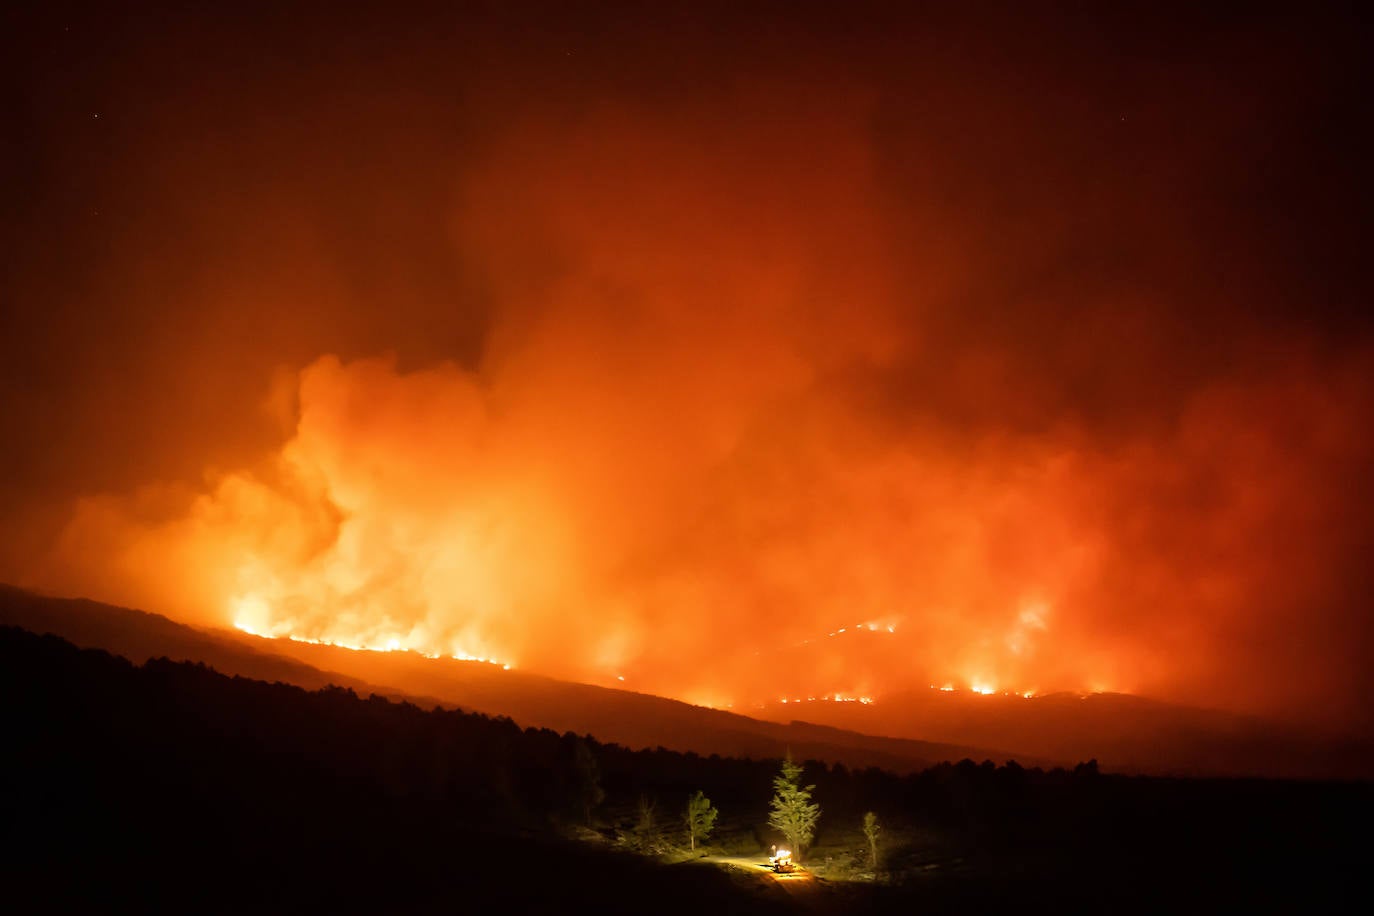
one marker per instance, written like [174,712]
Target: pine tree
[872,830]
[700,818]
[794,815]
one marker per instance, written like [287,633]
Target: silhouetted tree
[700,818]
[646,808]
[794,815]
[645,835]
[589,778]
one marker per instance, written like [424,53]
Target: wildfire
[872,626]
[252,612]
[833,698]
[982,688]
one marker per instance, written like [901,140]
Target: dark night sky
[578,335]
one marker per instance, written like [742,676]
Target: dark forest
[171,787]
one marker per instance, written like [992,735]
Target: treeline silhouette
[169,786]
[172,788]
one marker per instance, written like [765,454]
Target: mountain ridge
[905,731]
[531,700]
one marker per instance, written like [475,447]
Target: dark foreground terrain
[170,787]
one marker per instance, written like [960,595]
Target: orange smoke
[714,423]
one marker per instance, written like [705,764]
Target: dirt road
[801,886]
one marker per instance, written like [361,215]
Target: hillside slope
[630,719]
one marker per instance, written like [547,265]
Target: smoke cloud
[669,384]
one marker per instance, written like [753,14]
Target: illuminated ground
[798,887]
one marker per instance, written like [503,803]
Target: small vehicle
[781,860]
